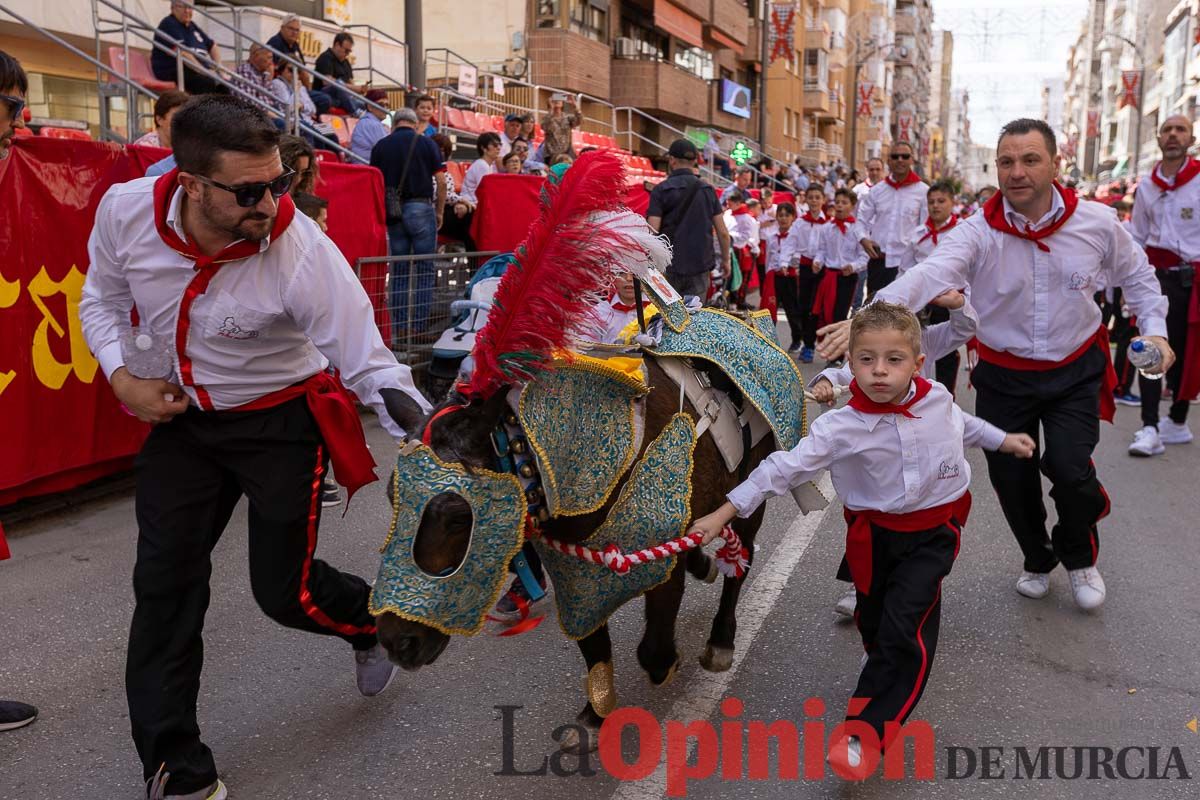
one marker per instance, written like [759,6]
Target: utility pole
[414,38]
[763,66]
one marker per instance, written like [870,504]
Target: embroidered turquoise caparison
[654,506]
[456,603]
[751,356]
[579,419]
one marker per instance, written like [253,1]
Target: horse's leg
[601,695]
[718,653]
[656,652]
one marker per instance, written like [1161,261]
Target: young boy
[743,234]
[315,208]
[779,284]
[895,455]
[841,256]
[619,310]
[920,243]
[807,232]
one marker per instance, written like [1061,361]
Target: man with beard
[254,305]
[1166,222]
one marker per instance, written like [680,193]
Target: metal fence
[412,295]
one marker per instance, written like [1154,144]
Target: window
[816,69]
[547,13]
[1175,58]
[648,44]
[590,18]
[694,60]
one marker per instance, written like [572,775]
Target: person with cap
[511,132]
[685,209]
[557,125]
[370,128]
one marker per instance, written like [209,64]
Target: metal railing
[373,33]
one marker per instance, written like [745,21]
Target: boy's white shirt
[783,252]
[836,250]
[743,229]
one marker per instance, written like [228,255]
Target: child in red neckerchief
[904,514]
[841,257]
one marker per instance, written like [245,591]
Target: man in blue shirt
[177,32]
[370,128]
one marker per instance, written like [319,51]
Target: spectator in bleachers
[741,184]
[335,65]
[370,128]
[510,164]
[425,106]
[254,76]
[177,33]
[457,224]
[298,155]
[288,41]
[14,85]
[488,146]
[557,125]
[529,165]
[562,158]
[409,163]
[528,129]
[315,208]
[285,100]
[511,132]
[164,111]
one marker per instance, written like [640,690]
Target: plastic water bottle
[148,356]
[1146,358]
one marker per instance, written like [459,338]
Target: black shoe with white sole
[15,715]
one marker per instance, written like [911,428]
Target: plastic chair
[340,129]
[497,123]
[454,118]
[66,133]
[326,155]
[22,132]
[138,69]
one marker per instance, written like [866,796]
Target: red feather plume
[558,271]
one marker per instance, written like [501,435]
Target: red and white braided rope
[733,559]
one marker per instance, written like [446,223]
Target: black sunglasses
[900,156]
[248,195]
[15,105]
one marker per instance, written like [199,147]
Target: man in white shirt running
[888,213]
[253,304]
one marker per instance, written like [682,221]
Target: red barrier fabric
[62,427]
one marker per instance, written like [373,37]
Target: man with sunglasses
[889,212]
[13,86]
[255,305]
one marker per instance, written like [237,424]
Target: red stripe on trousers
[306,601]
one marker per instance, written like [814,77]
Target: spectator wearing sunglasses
[338,70]
[529,165]
[13,87]
[256,304]
[889,212]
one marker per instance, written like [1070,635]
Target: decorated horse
[599,455]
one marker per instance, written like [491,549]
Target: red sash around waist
[337,420]
[858,531]
[825,297]
[1189,384]
[1099,340]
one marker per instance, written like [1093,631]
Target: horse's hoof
[600,690]
[670,676]
[571,742]
[717,659]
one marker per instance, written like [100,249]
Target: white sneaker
[1088,587]
[1171,432]
[1035,585]
[1146,443]
[845,606]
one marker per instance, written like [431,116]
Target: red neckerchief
[1189,170]
[860,402]
[626,307]
[842,223]
[993,212]
[781,235]
[164,191]
[911,179]
[933,232]
[742,210]
[809,218]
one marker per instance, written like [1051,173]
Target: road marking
[707,690]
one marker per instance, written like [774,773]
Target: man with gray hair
[287,41]
[409,162]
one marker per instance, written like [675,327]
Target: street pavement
[281,713]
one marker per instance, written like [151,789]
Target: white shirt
[1170,220]
[920,245]
[475,173]
[937,341]
[743,229]
[1031,303]
[611,320]
[836,250]
[888,216]
[767,226]
[781,249]
[878,462]
[808,236]
[264,323]
[861,189]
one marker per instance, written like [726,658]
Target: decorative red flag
[1131,81]
[865,90]
[782,30]
[904,121]
[1093,125]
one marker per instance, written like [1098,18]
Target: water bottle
[148,356]
[1146,358]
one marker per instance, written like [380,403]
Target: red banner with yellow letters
[61,425]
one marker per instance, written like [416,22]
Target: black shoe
[330,496]
[15,715]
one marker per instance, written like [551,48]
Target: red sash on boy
[825,297]
[1163,259]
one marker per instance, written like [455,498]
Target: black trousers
[1065,404]
[899,620]
[879,275]
[191,472]
[1178,298]
[946,367]
[1123,332]
[791,292]
[846,284]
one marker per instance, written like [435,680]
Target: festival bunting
[1131,82]
[781,30]
[865,90]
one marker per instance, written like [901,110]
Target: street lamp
[898,51]
[1141,93]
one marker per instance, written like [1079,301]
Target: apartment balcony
[569,60]
[817,38]
[816,98]
[659,87]
[815,149]
[752,50]
[834,151]
[729,19]
[907,24]
[700,9]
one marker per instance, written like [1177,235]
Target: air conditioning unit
[626,47]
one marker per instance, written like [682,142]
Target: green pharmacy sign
[741,153]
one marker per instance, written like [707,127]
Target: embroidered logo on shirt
[947,471]
[1079,281]
[1186,213]
[230,330]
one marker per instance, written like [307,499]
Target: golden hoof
[670,675]
[600,691]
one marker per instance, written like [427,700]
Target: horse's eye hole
[444,535]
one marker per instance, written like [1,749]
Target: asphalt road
[280,710]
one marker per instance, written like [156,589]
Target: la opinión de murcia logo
[736,749]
